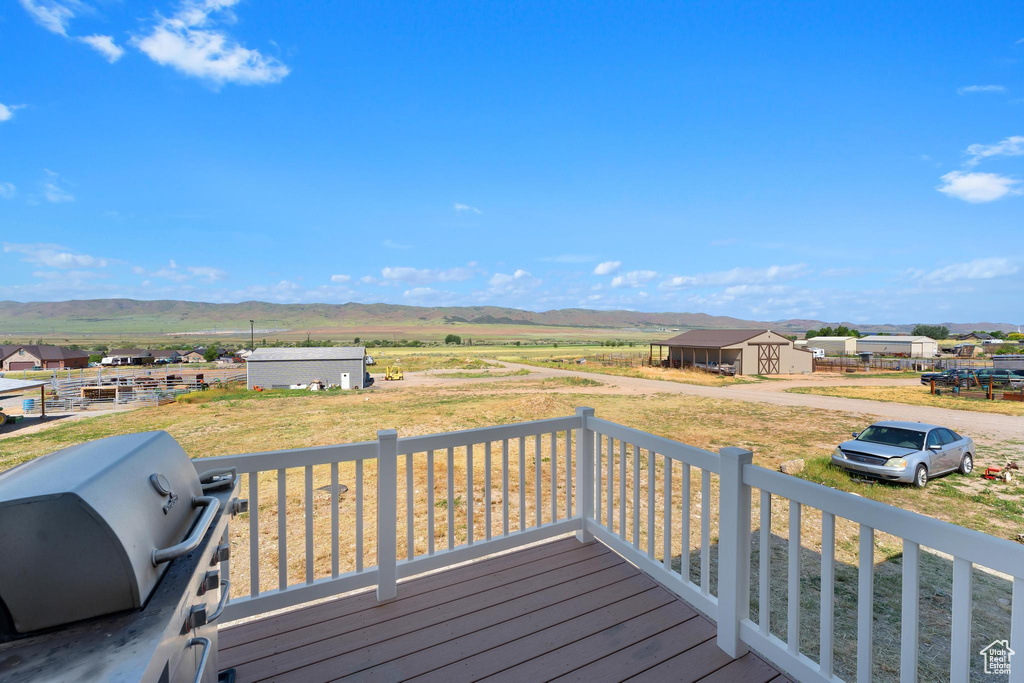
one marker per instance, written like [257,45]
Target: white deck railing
[598,479]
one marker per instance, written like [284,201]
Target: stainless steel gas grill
[110,567]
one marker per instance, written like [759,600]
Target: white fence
[581,474]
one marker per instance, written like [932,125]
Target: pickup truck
[1001,378]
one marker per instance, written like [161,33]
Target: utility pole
[252,335]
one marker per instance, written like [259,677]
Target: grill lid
[80,527]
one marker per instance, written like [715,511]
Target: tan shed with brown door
[742,352]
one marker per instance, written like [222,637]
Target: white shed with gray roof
[282,368]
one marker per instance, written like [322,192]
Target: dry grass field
[918,396]
[235,421]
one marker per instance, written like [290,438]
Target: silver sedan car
[907,452]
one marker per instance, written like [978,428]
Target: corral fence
[855,364]
[647,498]
[107,389]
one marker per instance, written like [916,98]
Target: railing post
[733,550]
[387,514]
[584,474]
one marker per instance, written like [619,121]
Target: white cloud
[207,273]
[55,194]
[459,208]
[391,244]
[978,188]
[189,42]
[7,111]
[53,15]
[736,276]
[607,267]
[519,281]
[341,278]
[421,276]
[1012,146]
[634,278]
[967,89]
[428,296]
[368,280]
[53,256]
[105,46]
[7,190]
[978,269]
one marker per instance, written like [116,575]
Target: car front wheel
[921,476]
[967,464]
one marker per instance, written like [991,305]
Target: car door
[952,449]
[933,447]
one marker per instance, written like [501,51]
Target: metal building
[899,345]
[747,352]
[341,366]
[834,346]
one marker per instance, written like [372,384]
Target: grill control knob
[239,505]
[210,582]
[196,617]
[160,483]
[222,553]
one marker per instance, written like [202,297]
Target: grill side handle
[211,505]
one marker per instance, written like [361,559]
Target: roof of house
[164,353]
[43,351]
[896,338]
[712,338]
[309,353]
[129,352]
[975,335]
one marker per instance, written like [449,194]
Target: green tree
[933,331]
[210,354]
[356,341]
[453,339]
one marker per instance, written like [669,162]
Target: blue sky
[857,161]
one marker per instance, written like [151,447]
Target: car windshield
[893,436]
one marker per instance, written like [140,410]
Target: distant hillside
[129,316]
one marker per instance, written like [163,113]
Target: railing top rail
[974,546]
[676,450]
[292,457]
[420,444]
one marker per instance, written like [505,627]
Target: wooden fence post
[387,514]
[584,474]
[733,549]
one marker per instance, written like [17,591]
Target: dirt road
[999,427]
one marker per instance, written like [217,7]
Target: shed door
[767,359]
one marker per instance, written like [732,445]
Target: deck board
[559,609]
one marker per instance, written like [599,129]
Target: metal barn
[748,352]
[899,345]
[343,366]
[834,346]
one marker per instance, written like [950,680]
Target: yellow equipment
[393,372]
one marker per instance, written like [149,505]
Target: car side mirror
[935,447]
[856,434]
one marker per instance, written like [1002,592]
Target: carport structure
[10,386]
[742,352]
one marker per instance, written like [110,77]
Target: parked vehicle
[944,378]
[1000,378]
[906,452]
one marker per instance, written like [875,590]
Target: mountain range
[169,316]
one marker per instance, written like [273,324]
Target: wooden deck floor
[561,610]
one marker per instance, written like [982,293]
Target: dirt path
[999,427]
